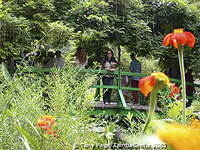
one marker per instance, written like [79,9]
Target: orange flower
[181,137]
[52,132]
[179,37]
[46,123]
[174,90]
[155,81]
[146,84]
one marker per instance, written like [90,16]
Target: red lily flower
[179,37]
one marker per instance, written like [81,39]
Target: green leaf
[25,143]
[35,129]
[28,138]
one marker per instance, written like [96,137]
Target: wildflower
[181,137]
[179,37]
[156,81]
[174,90]
[46,123]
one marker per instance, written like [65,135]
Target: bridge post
[121,100]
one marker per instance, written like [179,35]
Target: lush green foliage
[65,96]
[138,25]
[39,25]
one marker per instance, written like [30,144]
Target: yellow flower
[195,124]
[181,137]
[161,78]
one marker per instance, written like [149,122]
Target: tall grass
[64,95]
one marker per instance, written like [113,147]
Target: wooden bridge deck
[113,109]
[114,105]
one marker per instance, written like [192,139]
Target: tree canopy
[138,25]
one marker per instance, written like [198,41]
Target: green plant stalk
[42,141]
[182,70]
[152,106]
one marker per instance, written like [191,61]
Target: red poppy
[179,37]
[174,90]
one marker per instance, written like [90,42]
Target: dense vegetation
[25,99]
[138,25]
[64,97]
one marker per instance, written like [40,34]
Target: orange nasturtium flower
[179,37]
[181,137]
[154,82]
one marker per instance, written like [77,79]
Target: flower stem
[182,70]
[152,106]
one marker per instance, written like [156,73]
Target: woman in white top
[81,58]
[108,63]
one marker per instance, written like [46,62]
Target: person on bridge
[108,63]
[135,66]
[81,59]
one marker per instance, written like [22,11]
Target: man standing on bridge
[135,66]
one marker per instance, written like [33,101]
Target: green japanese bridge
[119,105]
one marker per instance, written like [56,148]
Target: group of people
[109,63]
[54,60]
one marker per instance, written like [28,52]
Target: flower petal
[178,39]
[180,137]
[146,84]
[166,39]
[190,39]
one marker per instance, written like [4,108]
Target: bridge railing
[99,84]
[131,74]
